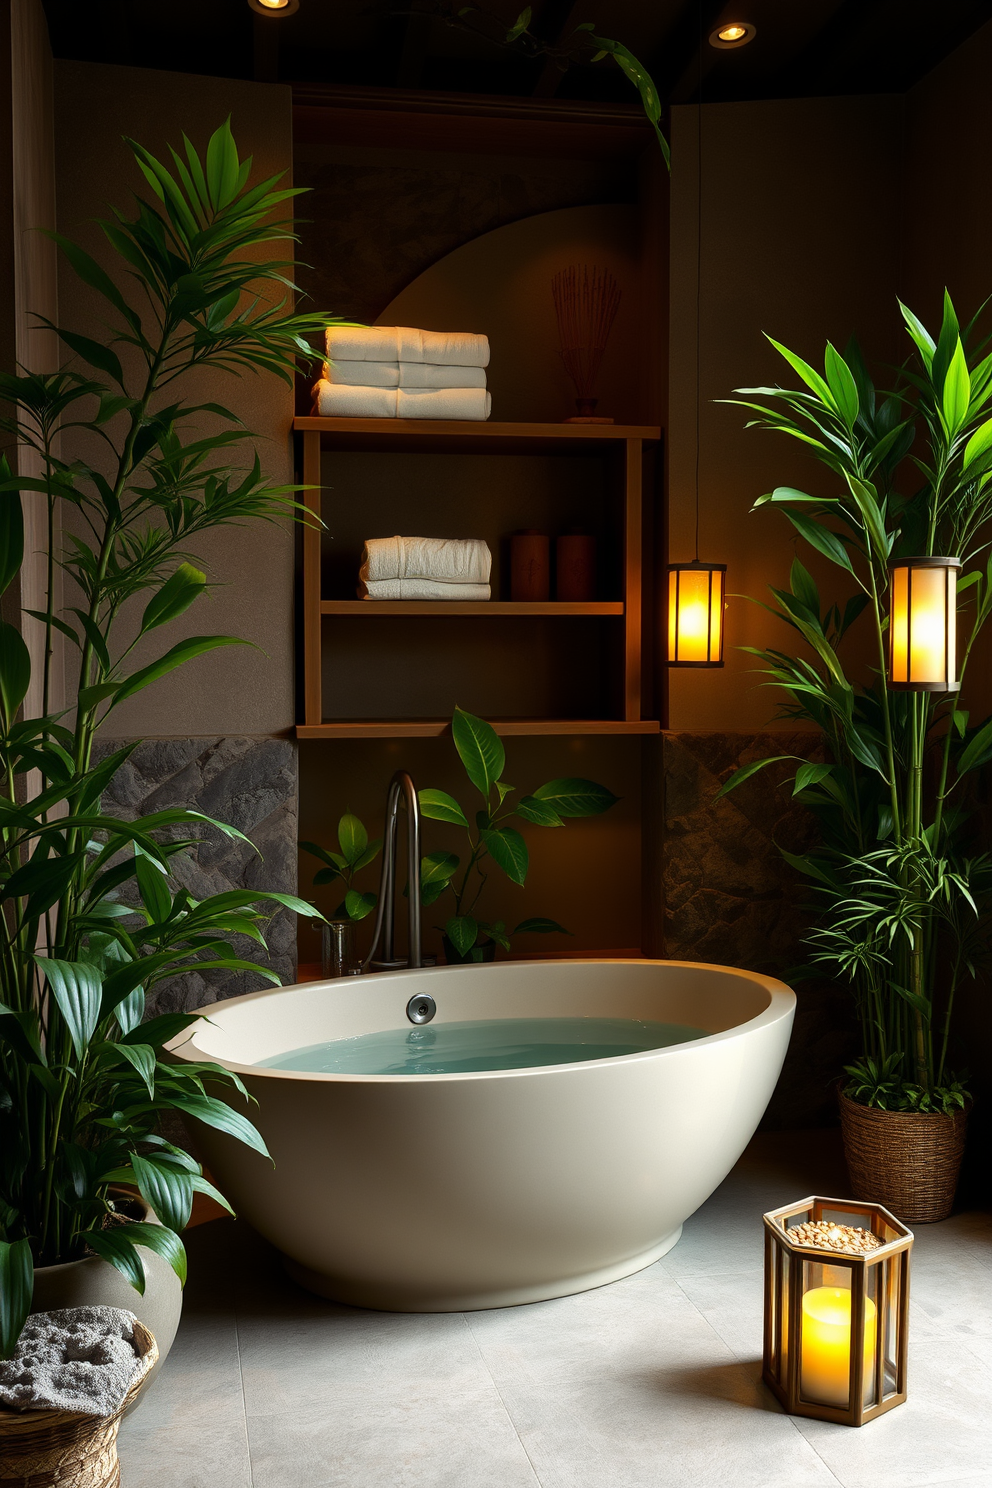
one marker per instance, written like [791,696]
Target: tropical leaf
[508,850]
[353,839]
[480,749]
[77,990]
[463,932]
[167,1191]
[439,806]
[16,1288]
[573,796]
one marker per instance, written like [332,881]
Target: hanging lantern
[836,1309]
[695,613]
[923,624]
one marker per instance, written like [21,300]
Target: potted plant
[93,917]
[492,840]
[902,889]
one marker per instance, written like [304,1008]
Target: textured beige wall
[800,239]
[236,690]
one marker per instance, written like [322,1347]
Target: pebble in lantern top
[836,1309]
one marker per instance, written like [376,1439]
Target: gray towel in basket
[76,1359]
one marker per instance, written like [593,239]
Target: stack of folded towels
[425,568]
[396,372]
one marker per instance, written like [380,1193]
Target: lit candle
[826,1348]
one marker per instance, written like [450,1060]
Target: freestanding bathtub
[437,1193]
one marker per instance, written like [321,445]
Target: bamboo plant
[903,892]
[92,914]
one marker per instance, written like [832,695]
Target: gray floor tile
[284,1360]
[189,1431]
[941,1435]
[635,1322]
[412,1436]
[671,1427]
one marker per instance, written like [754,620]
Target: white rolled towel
[453,560]
[422,589]
[403,375]
[334,401]
[406,344]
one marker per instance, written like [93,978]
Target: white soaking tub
[443,1192]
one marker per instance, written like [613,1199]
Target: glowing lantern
[922,624]
[695,614]
[836,1309]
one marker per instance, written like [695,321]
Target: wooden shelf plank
[433,728]
[371,607]
[434,428]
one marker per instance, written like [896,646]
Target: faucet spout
[401,787]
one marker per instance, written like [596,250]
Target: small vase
[484,951]
[907,1160]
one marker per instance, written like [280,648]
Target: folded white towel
[334,401]
[453,560]
[403,375]
[405,344]
[422,589]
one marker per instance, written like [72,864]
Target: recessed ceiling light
[732,34]
[275,7]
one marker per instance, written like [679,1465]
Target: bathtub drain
[421,1009]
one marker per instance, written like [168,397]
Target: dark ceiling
[802,47]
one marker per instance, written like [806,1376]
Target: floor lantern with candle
[836,1309]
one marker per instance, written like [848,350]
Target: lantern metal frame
[951,568]
[884,1271]
[696,566]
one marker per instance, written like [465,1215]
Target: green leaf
[142,1057]
[979,444]
[182,652]
[15,671]
[215,1113]
[956,395]
[353,839]
[542,813]
[978,751]
[359,905]
[204,1186]
[811,378]
[842,386]
[540,927]
[922,337]
[573,796]
[176,595]
[153,887]
[822,539]
[810,774]
[462,931]
[806,866]
[803,587]
[508,850]
[11,531]
[480,749]
[438,867]
[160,1030]
[496,931]
[95,353]
[16,1288]
[115,1247]
[746,771]
[439,806]
[167,1191]
[161,1240]
[520,25]
[78,992]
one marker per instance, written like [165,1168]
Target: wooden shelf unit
[461,437]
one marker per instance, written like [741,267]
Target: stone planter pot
[93,1282]
[486,951]
[69,1449]
[907,1160]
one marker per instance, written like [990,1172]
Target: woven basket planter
[907,1160]
[69,1449]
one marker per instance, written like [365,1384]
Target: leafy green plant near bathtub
[491,839]
[93,914]
[355,852]
[905,892]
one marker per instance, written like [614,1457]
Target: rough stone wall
[731,898]
[250,784]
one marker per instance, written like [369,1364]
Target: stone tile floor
[653,1382]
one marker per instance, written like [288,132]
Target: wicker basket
[907,1160]
[68,1449]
